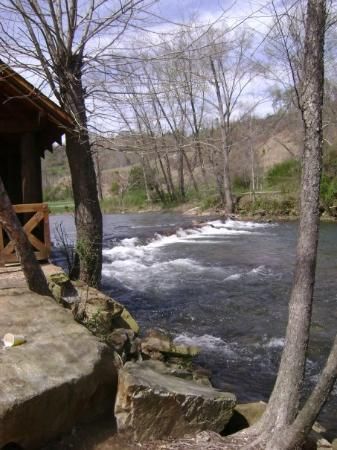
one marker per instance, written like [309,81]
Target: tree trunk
[227,190]
[32,271]
[305,420]
[226,181]
[181,179]
[190,171]
[99,176]
[284,402]
[88,216]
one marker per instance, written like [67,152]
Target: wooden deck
[35,217]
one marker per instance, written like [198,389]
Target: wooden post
[30,170]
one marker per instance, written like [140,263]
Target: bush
[133,200]
[136,179]
[241,183]
[114,187]
[277,206]
[328,191]
[284,176]
[57,193]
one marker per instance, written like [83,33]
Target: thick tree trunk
[33,273]
[284,402]
[88,216]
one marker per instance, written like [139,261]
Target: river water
[223,287]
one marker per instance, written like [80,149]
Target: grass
[132,200]
[61,206]
[284,177]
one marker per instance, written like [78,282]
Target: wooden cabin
[30,123]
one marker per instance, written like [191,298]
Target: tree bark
[181,178]
[32,271]
[283,405]
[227,190]
[88,215]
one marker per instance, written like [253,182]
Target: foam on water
[275,343]
[141,266]
[206,342]
[261,271]
[261,353]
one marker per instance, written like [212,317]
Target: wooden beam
[30,207]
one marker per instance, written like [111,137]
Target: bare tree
[67,42]
[284,426]
[33,273]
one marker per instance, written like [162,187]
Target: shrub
[57,193]
[241,183]
[284,176]
[136,179]
[114,187]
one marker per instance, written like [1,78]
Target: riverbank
[203,284]
[275,213]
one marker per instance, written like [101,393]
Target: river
[223,287]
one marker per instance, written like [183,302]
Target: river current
[223,286]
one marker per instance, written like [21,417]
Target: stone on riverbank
[61,376]
[152,404]
[158,344]
[100,313]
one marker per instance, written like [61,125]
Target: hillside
[257,147]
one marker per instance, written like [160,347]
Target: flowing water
[224,287]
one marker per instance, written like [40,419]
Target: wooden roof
[23,108]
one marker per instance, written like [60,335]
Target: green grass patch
[284,177]
[61,206]
[132,200]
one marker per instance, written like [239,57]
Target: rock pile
[161,393]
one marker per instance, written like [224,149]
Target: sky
[178,10]
[207,11]
[168,13]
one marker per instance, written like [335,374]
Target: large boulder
[61,376]
[152,404]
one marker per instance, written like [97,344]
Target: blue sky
[178,10]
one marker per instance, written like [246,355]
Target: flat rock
[61,376]
[152,404]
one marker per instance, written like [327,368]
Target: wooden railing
[40,241]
